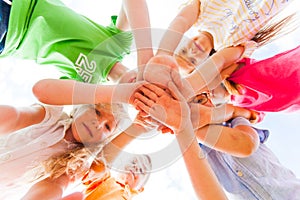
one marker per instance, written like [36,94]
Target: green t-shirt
[51,33]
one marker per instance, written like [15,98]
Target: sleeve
[262,133]
[240,121]
[52,114]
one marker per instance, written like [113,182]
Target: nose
[102,124]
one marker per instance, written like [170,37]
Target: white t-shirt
[23,150]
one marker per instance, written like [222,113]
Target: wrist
[117,71]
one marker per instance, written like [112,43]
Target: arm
[137,14]
[68,92]
[21,117]
[240,141]
[41,190]
[134,13]
[176,116]
[202,115]
[180,24]
[113,149]
[204,181]
[209,71]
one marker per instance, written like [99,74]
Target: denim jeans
[4,16]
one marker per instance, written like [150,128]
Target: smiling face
[92,123]
[194,52]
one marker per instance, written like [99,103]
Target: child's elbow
[9,115]
[40,90]
[250,146]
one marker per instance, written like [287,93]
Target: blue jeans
[4,17]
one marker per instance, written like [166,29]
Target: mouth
[88,130]
[198,47]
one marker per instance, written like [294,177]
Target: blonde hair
[73,161]
[232,87]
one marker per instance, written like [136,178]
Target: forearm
[115,147]
[47,189]
[201,175]
[139,21]
[181,23]
[209,72]
[239,142]
[67,92]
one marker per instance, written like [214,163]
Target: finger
[156,89]
[144,99]
[141,105]
[164,129]
[143,114]
[175,92]
[149,92]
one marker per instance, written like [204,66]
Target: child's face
[135,174]
[216,97]
[92,124]
[194,53]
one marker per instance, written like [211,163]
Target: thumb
[176,78]
[175,92]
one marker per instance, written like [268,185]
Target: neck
[69,135]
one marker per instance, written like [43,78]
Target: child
[229,28]
[245,172]
[50,33]
[269,85]
[154,100]
[129,182]
[223,24]
[43,134]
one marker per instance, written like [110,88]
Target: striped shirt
[233,23]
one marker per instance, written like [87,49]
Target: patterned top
[233,23]
[23,150]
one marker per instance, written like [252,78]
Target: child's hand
[162,106]
[160,70]
[252,115]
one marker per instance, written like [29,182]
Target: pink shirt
[272,84]
[23,150]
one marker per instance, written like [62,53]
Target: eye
[107,127]
[98,113]
[193,61]
[200,99]
[183,51]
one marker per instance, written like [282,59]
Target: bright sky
[169,181]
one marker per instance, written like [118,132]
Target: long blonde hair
[79,158]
